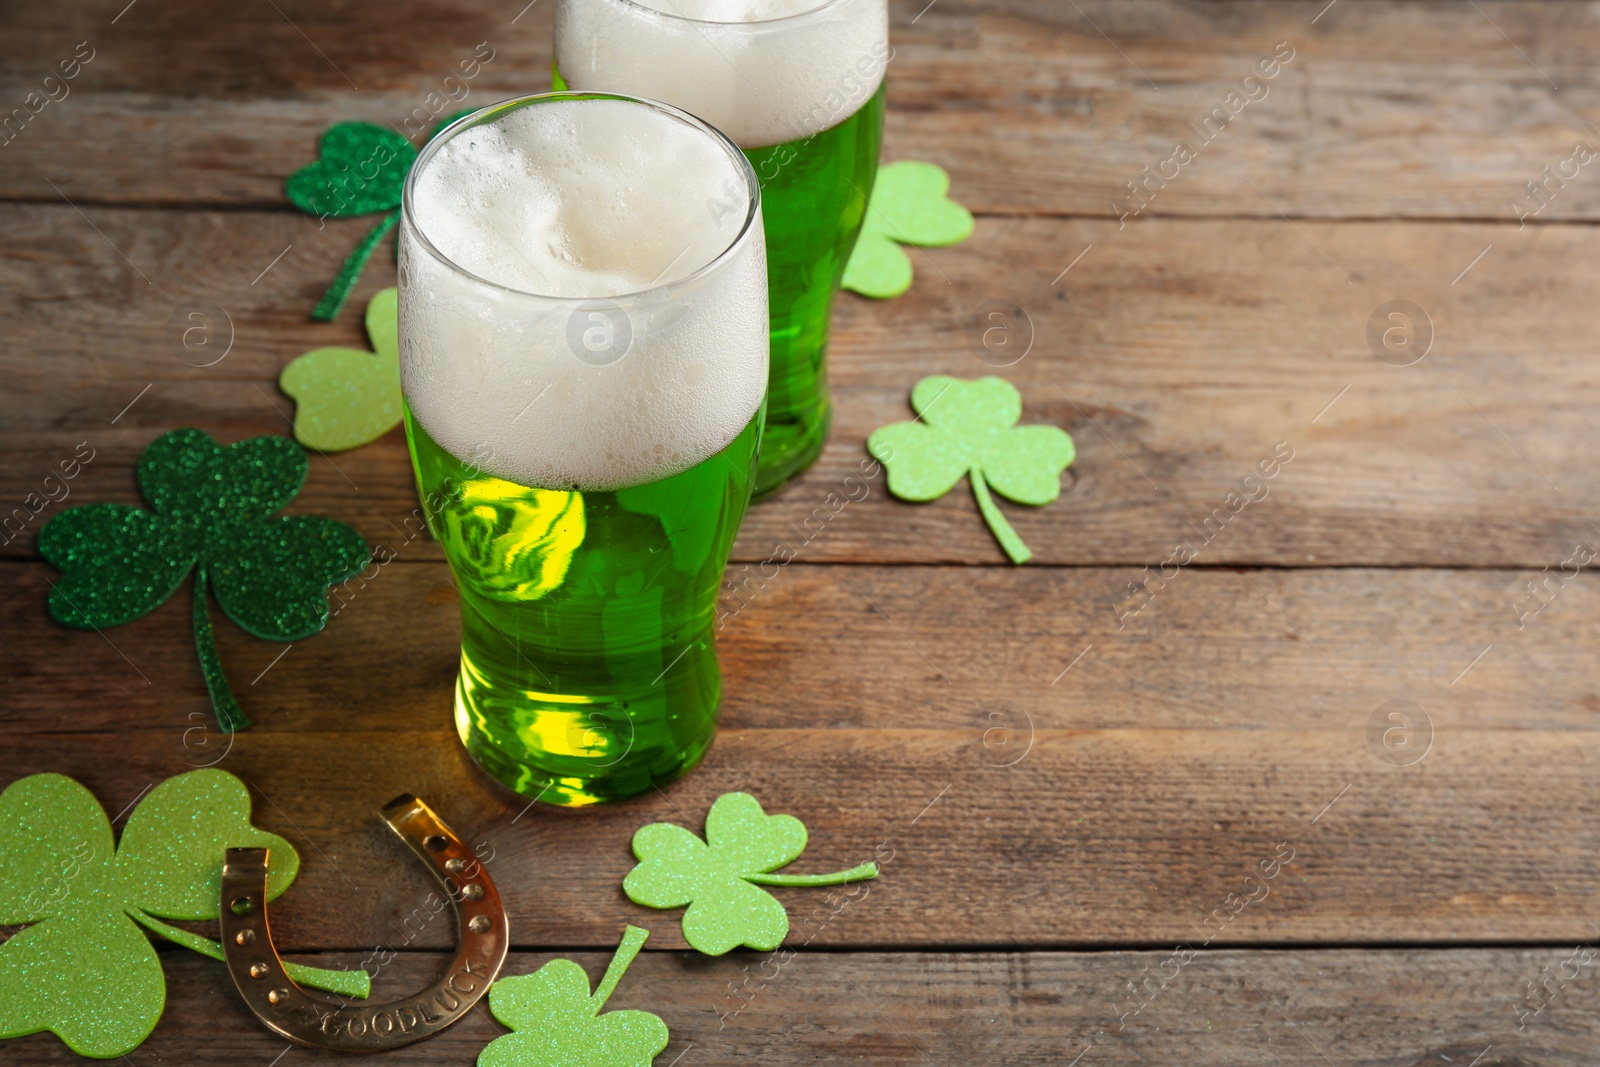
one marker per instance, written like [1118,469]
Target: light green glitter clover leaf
[970,428]
[82,969]
[344,397]
[718,878]
[556,1023]
[213,514]
[908,206]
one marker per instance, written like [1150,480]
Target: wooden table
[1066,787]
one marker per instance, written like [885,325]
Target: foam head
[761,71]
[583,297]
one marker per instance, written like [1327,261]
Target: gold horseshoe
[482,936]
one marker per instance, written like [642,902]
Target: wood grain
[1178,354]
[1185,745]
[961,649]
[1036,107]
[1227,1007]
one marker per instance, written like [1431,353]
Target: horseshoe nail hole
[436,842]
[479,924]
[259,970]
[242,905]
[244,937]
[277,996]
[455,866]
[472,891]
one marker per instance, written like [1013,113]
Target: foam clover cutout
[555,1022]
[344,397]
[212,514]
[82,969]
[970,428]
[719,878]
[360,169]
[908,206]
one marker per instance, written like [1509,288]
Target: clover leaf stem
[345,983]
[1019,552]
[854,874]
[229,715]
[632,941]
[327,308]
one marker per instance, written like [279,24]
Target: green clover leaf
[360,169]
[908,206]
[971,428]
[82,969]
[344,397]
[556,1023]
[212,514]
[718,878]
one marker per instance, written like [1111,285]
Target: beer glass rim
[794,16]
[491,111]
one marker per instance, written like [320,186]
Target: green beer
[583,357]
[814,199]
[587,665]
[799,86]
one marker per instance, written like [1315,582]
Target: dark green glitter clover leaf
[82,969]
[718,877]
[556,1023]
[344,397]
[908,206]
[971,428]
[213,514]
[360,169]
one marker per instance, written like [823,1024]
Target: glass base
[574,750]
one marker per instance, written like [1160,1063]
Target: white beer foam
[760,82]
[581,201]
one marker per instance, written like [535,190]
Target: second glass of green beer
[584,353]
[797,84]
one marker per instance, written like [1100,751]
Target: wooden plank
[1100,810]
[1178,355]
[1228,1007]
[973,651]
[1401,857]
[1035,107]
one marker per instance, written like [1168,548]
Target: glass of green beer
[797,84]
[583,353]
